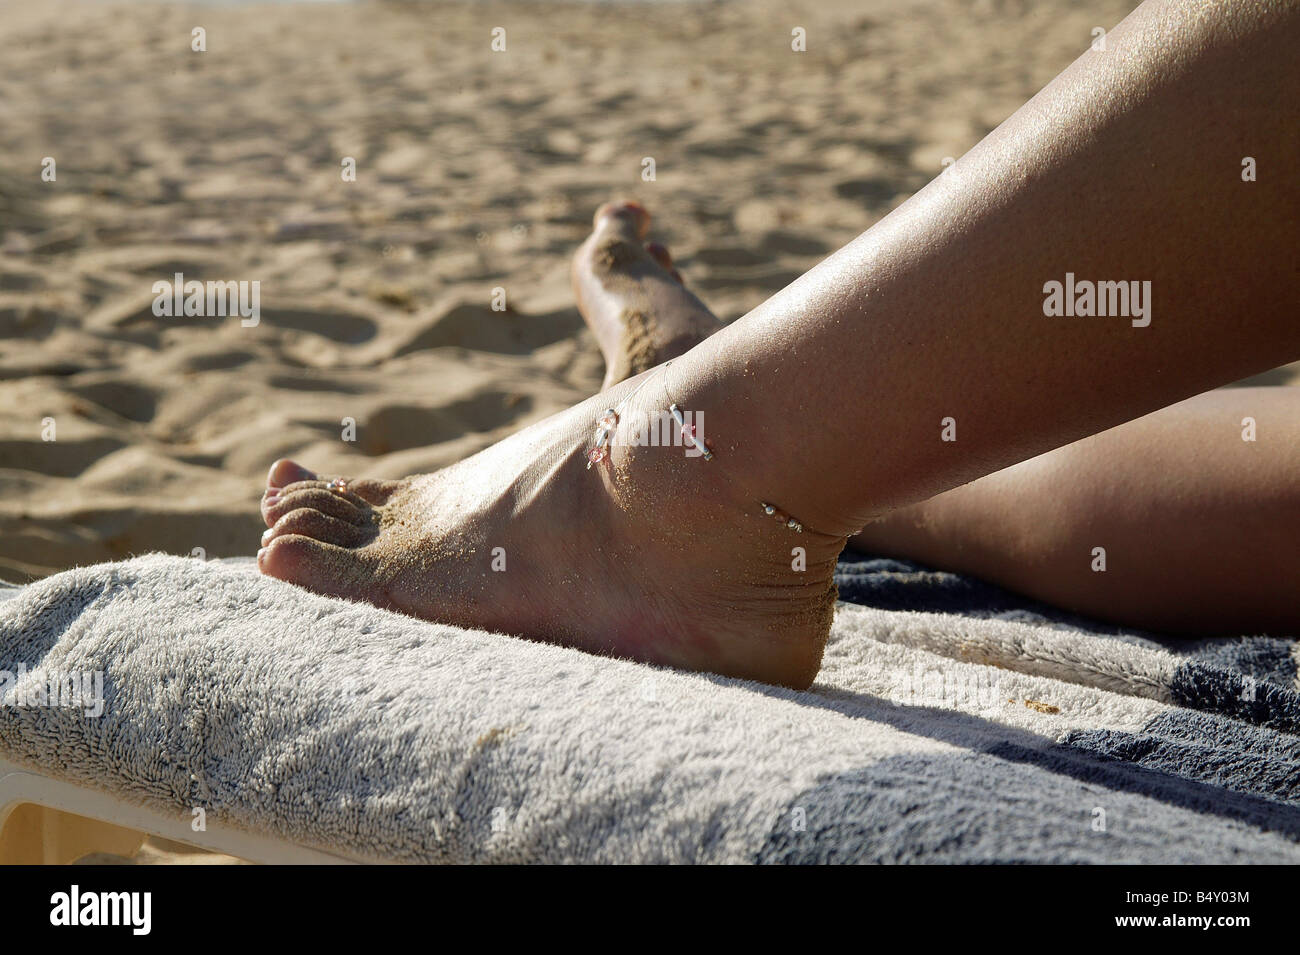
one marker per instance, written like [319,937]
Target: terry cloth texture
[952,722]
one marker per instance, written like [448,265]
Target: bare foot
[632,297]
[651,555]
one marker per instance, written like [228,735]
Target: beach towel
[951,722]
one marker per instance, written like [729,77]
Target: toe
[345,507]
[617,244]
[285,472]
[324,568]
[659,252]
[625,216]
[374,491]
[309,522]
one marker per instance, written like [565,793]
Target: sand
[475,171]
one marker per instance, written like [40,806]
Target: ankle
[757,461]
[658,476]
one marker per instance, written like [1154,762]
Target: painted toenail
[266,535]
[261,551]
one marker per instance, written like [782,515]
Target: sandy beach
[378,351]
[475,170]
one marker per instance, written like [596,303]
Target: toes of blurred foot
[624,215]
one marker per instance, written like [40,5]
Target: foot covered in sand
[632,297]
[646,556]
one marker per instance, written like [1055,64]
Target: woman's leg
[829,400]
[1171,522]
[1196,507]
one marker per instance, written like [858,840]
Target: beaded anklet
[608,422]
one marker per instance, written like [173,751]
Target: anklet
[688,433]
[784,518]
[605,426]
[338,486]
[608,421]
